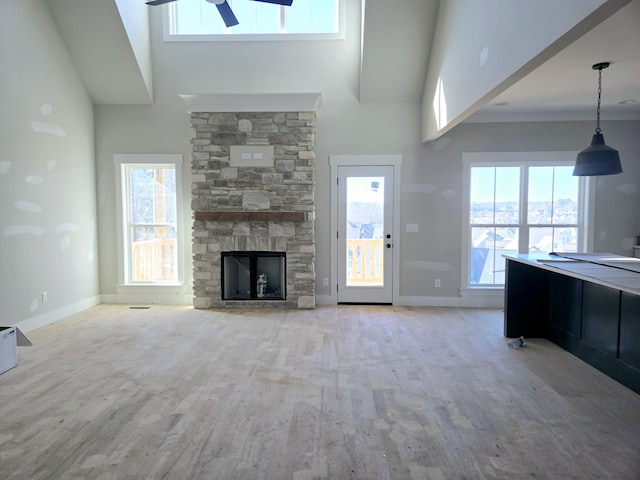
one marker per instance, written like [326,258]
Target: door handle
[388,245]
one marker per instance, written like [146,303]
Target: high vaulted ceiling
[397,40]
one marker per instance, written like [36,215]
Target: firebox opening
[254,276]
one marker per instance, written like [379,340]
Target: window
[149,218]
[530,204]
[200,20]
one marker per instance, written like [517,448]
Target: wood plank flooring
[348,392]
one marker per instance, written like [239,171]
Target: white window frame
[522,159]
[122,161]
[167,28]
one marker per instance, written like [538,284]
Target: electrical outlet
[45,297]
[438,283]
[325,282]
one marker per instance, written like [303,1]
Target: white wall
[432,173]
[48,238]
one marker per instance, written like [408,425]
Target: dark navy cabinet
[598,323]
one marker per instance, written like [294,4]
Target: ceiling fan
[225,10]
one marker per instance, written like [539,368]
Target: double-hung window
[520,203]
[149,209]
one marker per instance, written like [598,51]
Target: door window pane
[365,229]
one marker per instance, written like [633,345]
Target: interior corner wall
[48,238]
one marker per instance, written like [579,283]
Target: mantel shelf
[243,216]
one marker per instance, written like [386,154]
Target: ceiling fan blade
[227,14]
[159,2]
[277,2]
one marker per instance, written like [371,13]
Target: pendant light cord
[599,95]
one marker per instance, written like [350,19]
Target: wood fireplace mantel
[243,216]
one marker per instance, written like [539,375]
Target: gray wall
[48,238]
[439,247]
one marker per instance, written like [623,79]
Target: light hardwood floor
[348,392]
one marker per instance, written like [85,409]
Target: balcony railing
[155,261]
[365,264]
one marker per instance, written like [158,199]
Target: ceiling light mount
[598,158]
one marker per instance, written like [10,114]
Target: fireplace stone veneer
[242,208]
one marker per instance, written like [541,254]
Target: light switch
[257,156]
[412,227]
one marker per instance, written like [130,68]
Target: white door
[365,231]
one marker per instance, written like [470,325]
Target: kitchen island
[589,304]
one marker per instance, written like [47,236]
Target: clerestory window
[305,19]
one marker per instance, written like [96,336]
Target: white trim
[336,161]
[150,158]
[474,299]
[253,37]
[57,315]
[482,300]
[482,297]
[513,158]
[325,300]
[150,294]
[252,102]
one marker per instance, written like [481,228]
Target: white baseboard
[147,299]
[407,301]
[325,300]
[483,299]
[150,295]
[54,316]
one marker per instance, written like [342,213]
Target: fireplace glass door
[253,276]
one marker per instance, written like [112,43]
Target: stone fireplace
[253,190]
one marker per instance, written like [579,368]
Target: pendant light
[598,158]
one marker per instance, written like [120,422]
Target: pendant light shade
[598,158]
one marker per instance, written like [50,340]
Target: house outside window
[520,203]
[198,20]
[149,218]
